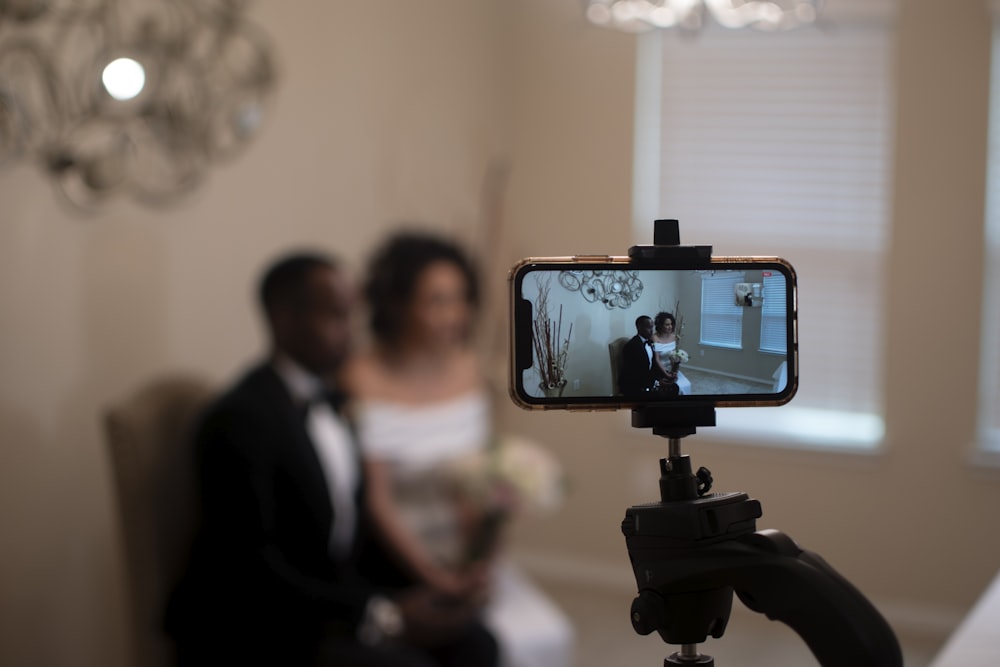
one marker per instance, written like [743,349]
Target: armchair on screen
[615,350]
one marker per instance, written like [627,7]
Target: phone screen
[607,334]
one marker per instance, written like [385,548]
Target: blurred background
[522,129]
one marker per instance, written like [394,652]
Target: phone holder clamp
[667,245]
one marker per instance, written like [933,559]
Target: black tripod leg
[798,588]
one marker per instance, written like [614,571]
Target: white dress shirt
[334,449]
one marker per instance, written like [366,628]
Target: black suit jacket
[261,580]
[635,374]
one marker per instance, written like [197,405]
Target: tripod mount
[692,550]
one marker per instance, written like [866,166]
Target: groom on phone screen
[636,368]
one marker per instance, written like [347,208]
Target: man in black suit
[635,368]
[278,573]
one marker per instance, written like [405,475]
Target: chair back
[149,441]
[615,350]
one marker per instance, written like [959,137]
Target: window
[773,332]
[989,395]
[779,144]
[721,318]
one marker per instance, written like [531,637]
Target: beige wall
[914,525]
[394,111]
[386,111]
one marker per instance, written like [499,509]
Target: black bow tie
[335,398]
[649,343]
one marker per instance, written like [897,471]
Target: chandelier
[128,97]
[689,15]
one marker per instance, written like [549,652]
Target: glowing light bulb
[124,78]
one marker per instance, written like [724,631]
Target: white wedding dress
[663,350]
[419,443]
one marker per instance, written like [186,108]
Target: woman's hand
[479,579]
[429,620]
[471,584]
[447,583]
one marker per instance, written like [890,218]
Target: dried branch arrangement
[551,350]
[679,322]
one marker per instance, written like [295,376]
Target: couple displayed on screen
[645,366]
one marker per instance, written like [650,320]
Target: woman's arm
[402,543]
[364,378]
[661,369]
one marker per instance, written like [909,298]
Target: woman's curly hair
[394,270]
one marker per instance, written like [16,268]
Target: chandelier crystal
[690,15]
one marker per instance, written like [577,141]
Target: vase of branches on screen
[679,328]
[551,349]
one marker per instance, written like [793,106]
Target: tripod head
[686,524]
[694,548]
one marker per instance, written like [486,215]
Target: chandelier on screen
[690,15]
[129,97]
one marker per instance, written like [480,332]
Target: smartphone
[604,332]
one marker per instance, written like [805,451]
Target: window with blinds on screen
[773,332]
[780,144]
[989,394]
[721,318]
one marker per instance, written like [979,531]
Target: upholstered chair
[153,469]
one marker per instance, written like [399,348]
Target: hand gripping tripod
[692,550]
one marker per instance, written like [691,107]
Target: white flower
[513,474]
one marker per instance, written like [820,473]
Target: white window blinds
[779,144]
[721,318]
[773,331]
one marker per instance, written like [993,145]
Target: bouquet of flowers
[511,476]
[678,356]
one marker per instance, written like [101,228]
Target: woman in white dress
[421,406]
[664,344]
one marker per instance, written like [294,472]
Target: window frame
[769,314]
[987,445]
[806,429]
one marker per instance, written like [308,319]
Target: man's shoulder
[257,391]
[247,417]
[258,380]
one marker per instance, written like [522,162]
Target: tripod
[692,550]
